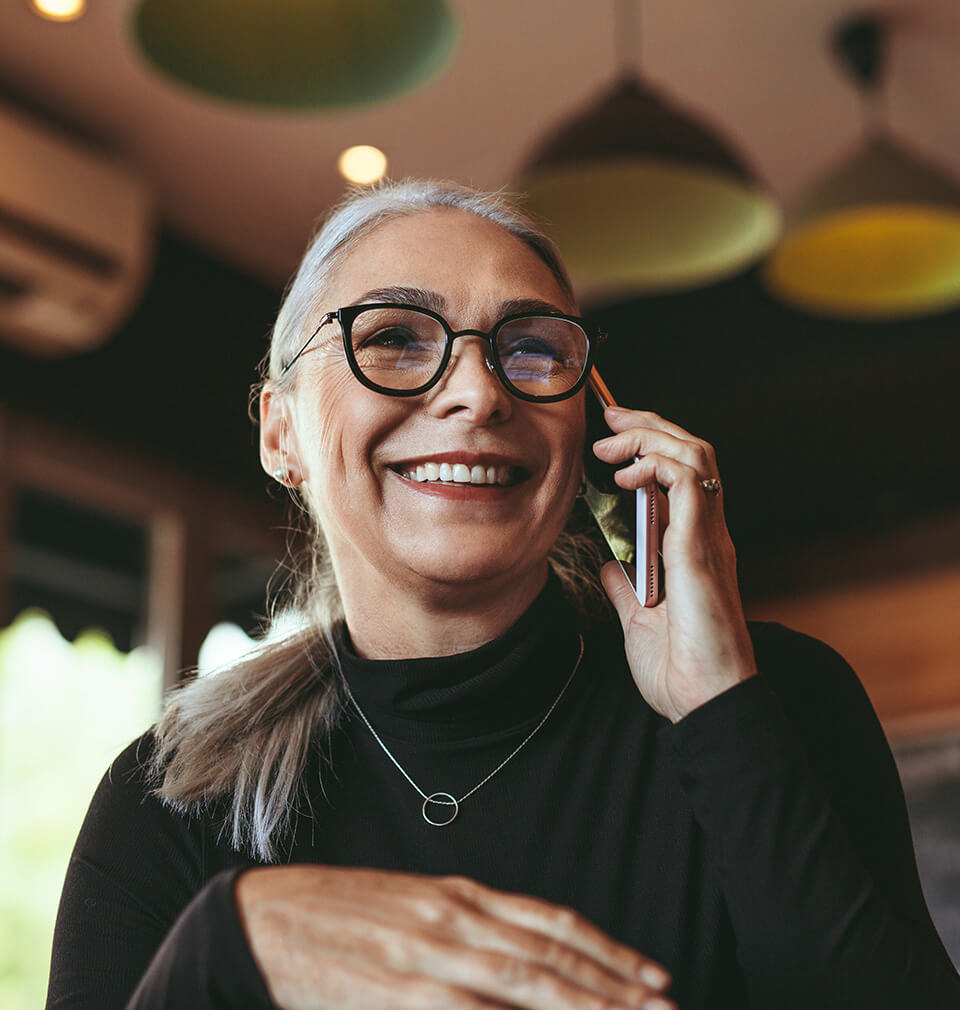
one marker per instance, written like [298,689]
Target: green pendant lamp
[642,196]
[297,54]
[879,236]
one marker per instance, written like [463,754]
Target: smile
[460,473]
[461,469]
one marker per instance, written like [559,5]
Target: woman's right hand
[333,938]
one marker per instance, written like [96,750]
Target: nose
[470,387]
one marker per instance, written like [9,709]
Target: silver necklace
[444,799]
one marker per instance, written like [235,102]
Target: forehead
[470,261]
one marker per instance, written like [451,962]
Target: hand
[333,938]
[694,644]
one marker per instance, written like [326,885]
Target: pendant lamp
[297,54]
[642,196]
[879,236]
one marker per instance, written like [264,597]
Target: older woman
[454,788]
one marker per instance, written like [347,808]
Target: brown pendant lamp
[879,236]
[297,54]
[642,196]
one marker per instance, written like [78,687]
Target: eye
[396,337]
[531,345]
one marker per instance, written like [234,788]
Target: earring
[280,475]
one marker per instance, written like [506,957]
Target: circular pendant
[442,800]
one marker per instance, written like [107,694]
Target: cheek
[568,436]
[339,427]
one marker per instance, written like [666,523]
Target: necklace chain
[446,799]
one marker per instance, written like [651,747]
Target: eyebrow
[403,295]
[533,306]
[433,300]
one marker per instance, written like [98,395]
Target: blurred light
[297,54]
[224,645]
[59,10]
[641,195]
[362,164]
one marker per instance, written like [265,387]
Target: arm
[139,929]
[137,926]
[788,773]
[794,786]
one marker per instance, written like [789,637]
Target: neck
[387,622]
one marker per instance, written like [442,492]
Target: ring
[711,486]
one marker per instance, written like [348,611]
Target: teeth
[460,473]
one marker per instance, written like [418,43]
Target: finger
[620,592]
[349,983]
[641,441]
[689,502]
[565,979]
[569,927]
[620,419]
[481,954]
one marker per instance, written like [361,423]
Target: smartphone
[628,520]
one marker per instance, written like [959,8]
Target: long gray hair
[237,741]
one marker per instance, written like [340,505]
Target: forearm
[204,961]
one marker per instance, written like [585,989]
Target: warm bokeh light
[59,10]
[362,164]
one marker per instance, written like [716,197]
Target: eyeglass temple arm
[328,318]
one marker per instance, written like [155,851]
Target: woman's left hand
[694,644]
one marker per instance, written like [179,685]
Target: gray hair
[238,741]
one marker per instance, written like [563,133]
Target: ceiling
[246,184]
[825,428]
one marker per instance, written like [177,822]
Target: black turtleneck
[759,849]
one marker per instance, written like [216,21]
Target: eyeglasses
[402,350]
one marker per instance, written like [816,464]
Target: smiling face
[464,486]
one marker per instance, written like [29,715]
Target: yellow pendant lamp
[879,236]
[297,54]
[641,196]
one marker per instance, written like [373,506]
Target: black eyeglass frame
[345,317]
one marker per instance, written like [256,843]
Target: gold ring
[711,486]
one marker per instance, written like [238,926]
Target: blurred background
[760,203]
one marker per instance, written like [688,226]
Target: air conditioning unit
[75,240]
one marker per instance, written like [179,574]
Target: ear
[278,448]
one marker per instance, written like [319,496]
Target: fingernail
[658,1004]
[654,977]
[617,410]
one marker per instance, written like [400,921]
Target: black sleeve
[798,797]
[138,925]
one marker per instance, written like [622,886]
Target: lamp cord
[626,37]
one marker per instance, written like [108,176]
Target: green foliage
[66,710]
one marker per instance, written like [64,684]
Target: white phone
[630,523]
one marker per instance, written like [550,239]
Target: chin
[477,563]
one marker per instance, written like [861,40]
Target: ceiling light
[297,53]
[879,235]
[362,164]
[59,10]
[641,195]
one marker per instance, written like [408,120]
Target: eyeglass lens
[403,349]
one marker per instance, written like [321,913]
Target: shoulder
[824,702]
[124,804]
[803,671]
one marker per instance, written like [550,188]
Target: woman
[453,788]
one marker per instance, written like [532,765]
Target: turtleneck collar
[504,685]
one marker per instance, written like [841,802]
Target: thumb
[618,588]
